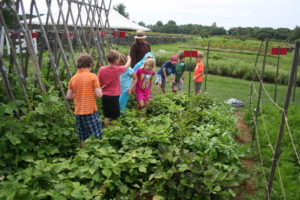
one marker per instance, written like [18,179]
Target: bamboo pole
[66,63]
[79,6]
[7,86]
[54,66]
[283,120]
[253,71]
[277,73]
[207,66]
[68,34]
[260,86]
[75,26]
[29,45]
[14,56]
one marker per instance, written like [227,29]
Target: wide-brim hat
[140,34]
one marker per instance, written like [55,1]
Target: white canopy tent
[116,20]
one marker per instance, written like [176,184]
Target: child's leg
[141,104]
[106,122]
[163,86]
[123,100]
[146,103]
[174,87]
[179,85]
[197,88]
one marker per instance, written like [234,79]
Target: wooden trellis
[65,28]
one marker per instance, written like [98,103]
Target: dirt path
[247,187]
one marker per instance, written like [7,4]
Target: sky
[226,13]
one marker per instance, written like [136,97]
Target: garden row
[183,149]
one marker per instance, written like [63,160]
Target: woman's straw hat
[140,34]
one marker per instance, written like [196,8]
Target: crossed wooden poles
[87,33]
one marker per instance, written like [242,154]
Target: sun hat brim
[140,37]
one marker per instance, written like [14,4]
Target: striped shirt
[83,85]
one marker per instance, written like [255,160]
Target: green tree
[295,34]
[142,24]
[8,13]
[121,8]
[159,23]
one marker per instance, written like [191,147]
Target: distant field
[230,57]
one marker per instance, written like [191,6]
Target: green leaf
[107,173]
[143,169]
[13,138]
[217,189]
[123,188]
[117,171]
[158,197]
[28,158]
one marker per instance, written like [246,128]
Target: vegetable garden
[184,147]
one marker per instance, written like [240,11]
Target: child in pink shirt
[109,78]
[143,86]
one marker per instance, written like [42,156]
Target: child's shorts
[142,96]
[177,84]
[159,79]
[111,106]
[88,125]
[197,86]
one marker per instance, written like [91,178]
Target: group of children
[117,81]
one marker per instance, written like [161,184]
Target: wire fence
[258,112]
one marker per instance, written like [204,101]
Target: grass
[224,88]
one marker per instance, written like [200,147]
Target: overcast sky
[226,13]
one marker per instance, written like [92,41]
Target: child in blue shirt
[163,73]
[127,82]
[141,62]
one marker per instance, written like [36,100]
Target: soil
[247,187]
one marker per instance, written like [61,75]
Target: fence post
[295,83]
[260,86]
[253,72]
[190,71]
[276,77]
[207,64]
[282,123]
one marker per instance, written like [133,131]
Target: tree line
[214,30]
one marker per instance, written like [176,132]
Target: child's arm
[133,83]
[173,78]
[70,95]
[182,76]
[128,62]
[195,77]
[98,92]
[165,74]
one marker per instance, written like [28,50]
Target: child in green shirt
[180,73]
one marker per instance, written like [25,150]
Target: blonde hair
[122,59]
[180,54]
[149,62]
[200,54]
[113,56]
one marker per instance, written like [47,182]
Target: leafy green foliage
[45,132]
[183,149]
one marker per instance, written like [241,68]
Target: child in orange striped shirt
[84,87]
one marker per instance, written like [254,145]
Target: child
[163,73]
[198,73]
[141,62]
[180,73]
[143,86]
[128,81]
[84,88]
[109,78]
